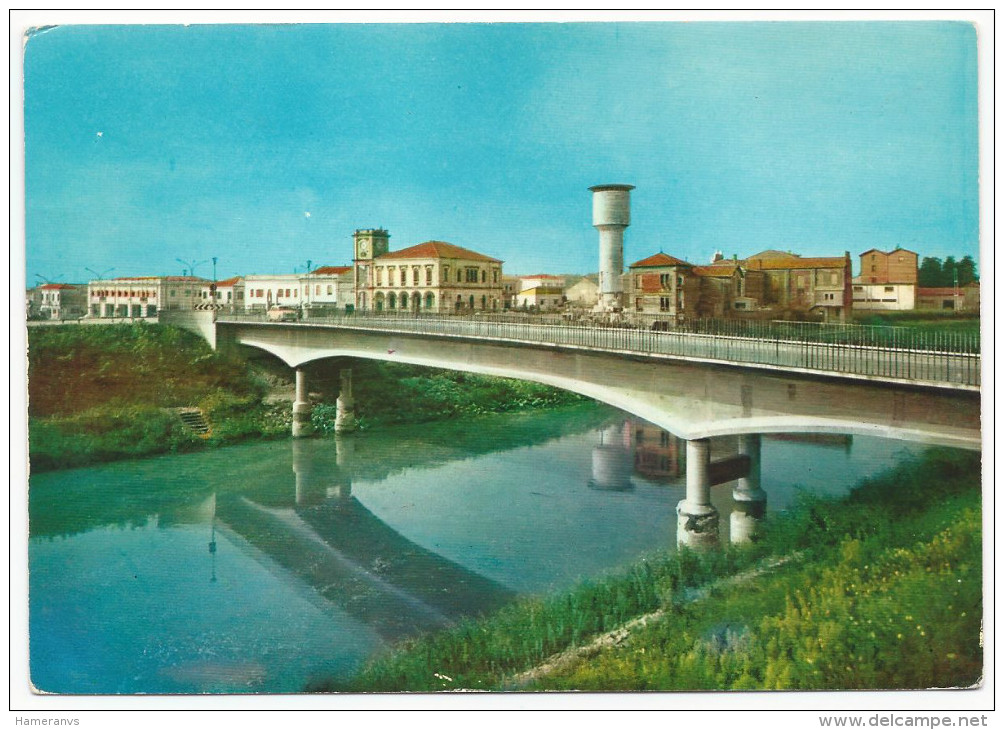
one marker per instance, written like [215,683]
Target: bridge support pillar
[301,406]
[750,501]
[697,519]
[345,413]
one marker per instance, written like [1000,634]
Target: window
[472,275]
[484,278]
[317,289]
[428,277]
[663,304]
[665,280]
[495,276]
[414,276]
[446,273]
[459,276]
[390,277]
[889,288]
[329,289]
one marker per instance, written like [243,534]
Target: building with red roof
[432,276]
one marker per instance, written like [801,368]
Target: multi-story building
[434,276]
[662,288]
[226,295]
[61,301]
[328,288]
[888,280]
[264,291]
[894,267]
[796,284]
[143,296]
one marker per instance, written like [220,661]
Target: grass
[99,394]
[854,611]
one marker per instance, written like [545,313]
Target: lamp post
[192,264]
[102,274]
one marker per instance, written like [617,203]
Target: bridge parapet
[955,365]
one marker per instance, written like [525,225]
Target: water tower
[611,215]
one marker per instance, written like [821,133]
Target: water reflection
[257,567]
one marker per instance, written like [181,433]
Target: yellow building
[434,276]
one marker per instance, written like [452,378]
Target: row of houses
[441,277]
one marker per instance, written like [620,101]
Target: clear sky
[267,146]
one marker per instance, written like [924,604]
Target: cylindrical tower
[611,215]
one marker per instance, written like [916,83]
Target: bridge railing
[921,359]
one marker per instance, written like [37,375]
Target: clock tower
[370,243]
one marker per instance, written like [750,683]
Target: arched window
[378,300]
[460,303]
[392,301]
[404,300]
[470,301]
[484,302]
[430,300]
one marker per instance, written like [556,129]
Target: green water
[260,568]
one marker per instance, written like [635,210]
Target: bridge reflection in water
[327,539]
[322,535]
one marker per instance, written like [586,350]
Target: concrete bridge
[695,386]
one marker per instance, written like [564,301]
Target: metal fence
[848,349]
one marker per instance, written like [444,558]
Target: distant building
[510,288]
[961,299]
[226,295]
[264,291]
[888,280]
[143,296]
[329,288]
[583,293]
[61,301]
[434,276]
[543,298]
[796,284]
[893,267]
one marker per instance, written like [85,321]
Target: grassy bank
[99,394]
[923,321]
[885,592]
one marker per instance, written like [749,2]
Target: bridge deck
[881,362]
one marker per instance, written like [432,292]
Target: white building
[887,296]
[583,293]
[143,296]
[226,295]
[61,301]
[329,288]
[325,288]
[544,298]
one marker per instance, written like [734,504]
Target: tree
[967,271]
[929,273]
[948,271]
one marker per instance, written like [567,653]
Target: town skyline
[267,146]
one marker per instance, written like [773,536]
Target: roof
[659,259]
[50,287]
[888,253]
[542,276]
[797,262]
[332,270]
[160,278]
[773,253]
[228,282]
[533,291]
[716,270]
[935,291]
[437,250]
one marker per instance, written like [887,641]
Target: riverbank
[882,589]
[98,394]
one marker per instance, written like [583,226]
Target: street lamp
[100,275]
[192,264]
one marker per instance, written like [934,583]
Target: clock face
[363,248]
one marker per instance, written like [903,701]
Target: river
[267,566]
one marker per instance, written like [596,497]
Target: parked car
[283,314]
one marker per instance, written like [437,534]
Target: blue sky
[266,146]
